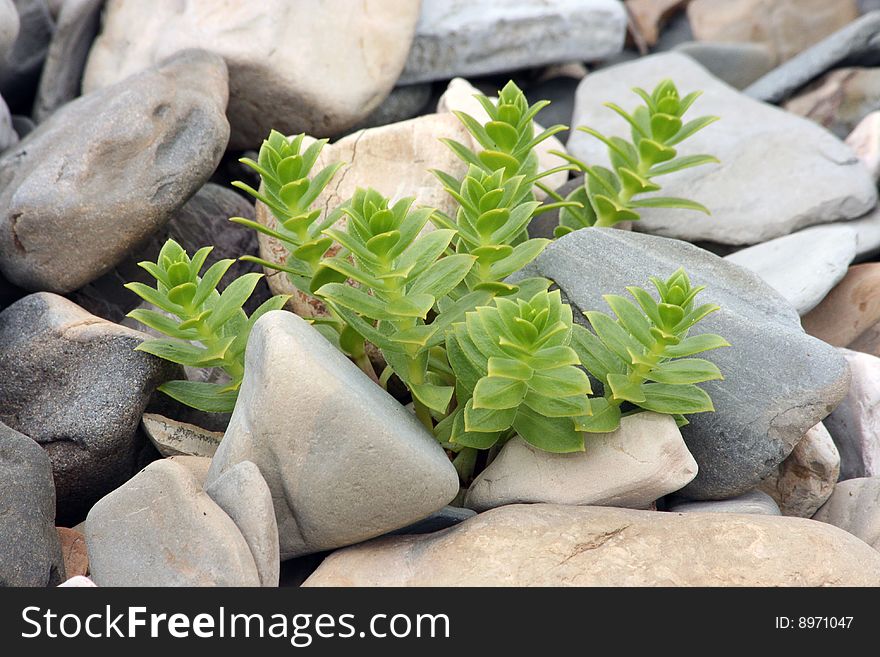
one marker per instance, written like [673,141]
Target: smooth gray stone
[858,41]
[244,495]
[447,517]
[738,64]
[9,26]
[108,170]
[21,67]
[31,550]
[854,506]
[74,383]
[161,529]
[344,460]
[779,382]
[401,104]
[754,502]
[756,145]
[8,136]
[66,60]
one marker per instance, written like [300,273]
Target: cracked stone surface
[393,159]
[778,381]
[161,529]
[642,461]
[73,383]
[831,183]
[549,545]
[115,163]
[343,459]
[283,74]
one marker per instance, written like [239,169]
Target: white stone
[475,37]
[753,503]
[459,96]
[751,193]
[804,266]
[855,423]
[295,66]
[643,460]
[344,460]
[804,481]
[855,507]
[79,581]
[173,438]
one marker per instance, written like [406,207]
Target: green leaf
[493,392]
[631,318]
[210,281]
[595,356]
[670,202]
[562,381]
[612,335]
[624,389]
[475,439]
[486,420]
[695,344]
[573,407]
[522,255]
[435,397]
[509,368]
[233,298]
[685,370]
[690,128]
[153,296]
[443,276]
[605,417]
[556,435]
[162,323]
[680,163]
[208,397]
[177,352]
[675,399]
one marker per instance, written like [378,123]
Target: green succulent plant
[205,328]
[609,196]
[642,356]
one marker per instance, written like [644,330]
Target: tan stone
[804,481]
[855,507]
[548,545]
[839,100]
[788,26]
[865,141]
[850,309]
[74,552]
[643,460]
[173,438]
[651,15]
[395,160]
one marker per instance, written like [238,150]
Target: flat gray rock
[751,193]
[65,215]
[31,552]
[62,73]
[778,381]
[738,64]
[244,495]
[854,506]
[804,266]
[755,502]
[859,40]
[642,461]
[73,383]
[344,460]
[161,529]
[476,37]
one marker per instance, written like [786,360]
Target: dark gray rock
[107,170]
[858,42]
[21,67]
[778,381]
[73,383]
[560,92]
[60,81]
[738,64]
[401,104]
[447,517]
[23,125]
[161,529]
[344,461]
[31,550]
[203,221]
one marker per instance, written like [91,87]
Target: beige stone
[855,507]
[840,99]
[296,66]
[74,552]
[549,545]
[643,460]
[865,141]
[804,481]
[173,438]
[651,15]
[788,26]
[459,96]
[395,160]
[851,308]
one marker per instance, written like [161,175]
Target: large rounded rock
[294,66]
[31,551]
[778,381]
[162,529]
[344,461]
[750,137]
[854,506]
[547,545]
[643,460]
[107,170]
[73,383]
